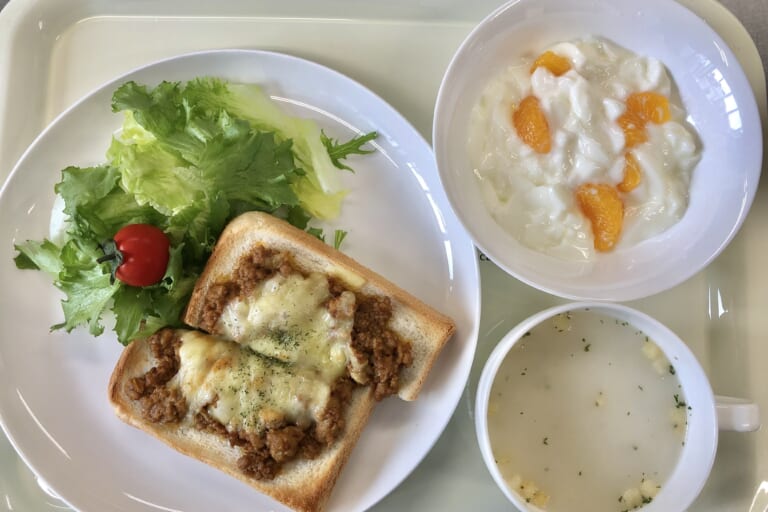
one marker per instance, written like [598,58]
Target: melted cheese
[244,390]
[283,352]
[286,318]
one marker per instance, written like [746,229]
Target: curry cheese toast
[293,344]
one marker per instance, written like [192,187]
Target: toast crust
[426,329]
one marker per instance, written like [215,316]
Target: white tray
[53,52]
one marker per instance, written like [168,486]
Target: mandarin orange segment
[649,106]
[634,129]
[632,174]
[531,124]
[556,64]
[602,205]
[642,108]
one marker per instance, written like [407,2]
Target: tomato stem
[106,257]
[112,255]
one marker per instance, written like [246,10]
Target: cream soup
[586,414]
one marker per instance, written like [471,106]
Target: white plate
[53,403]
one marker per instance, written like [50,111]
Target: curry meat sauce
[304,342]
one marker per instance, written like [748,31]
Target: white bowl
[708,413]
[714,92]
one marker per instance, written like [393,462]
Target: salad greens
[338,151]
[189,158]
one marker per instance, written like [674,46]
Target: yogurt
[531,195]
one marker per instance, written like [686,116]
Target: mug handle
[736,414]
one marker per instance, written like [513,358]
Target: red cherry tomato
[140,254]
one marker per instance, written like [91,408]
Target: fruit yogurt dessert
[582,149]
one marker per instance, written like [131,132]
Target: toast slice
[209,359]
[426,329]
[304,484]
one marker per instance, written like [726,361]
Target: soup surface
[586,414]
